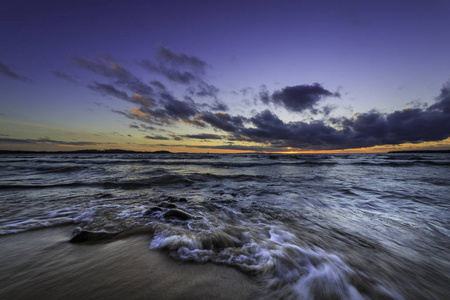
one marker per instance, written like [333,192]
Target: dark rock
[80,235]
[152,210]
[167,205]
[171,199]
[178,214]
[107,195]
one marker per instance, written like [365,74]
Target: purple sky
[229,75]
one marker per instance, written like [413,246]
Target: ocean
[304,226]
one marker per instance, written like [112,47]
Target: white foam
[85,216]
[278,259]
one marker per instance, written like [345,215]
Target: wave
[60,169]
[286,267]
[402,163]
[139,183]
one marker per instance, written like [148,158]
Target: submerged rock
[174,199]
[178,214]
[151,210]
[80,235]
[167,205]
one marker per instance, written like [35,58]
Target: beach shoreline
[42,264]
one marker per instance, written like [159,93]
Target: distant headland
[89,151]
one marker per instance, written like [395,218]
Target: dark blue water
[353,226]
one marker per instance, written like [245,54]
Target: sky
[225,76]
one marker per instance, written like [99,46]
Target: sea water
[328,226]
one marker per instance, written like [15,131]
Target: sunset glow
[252,76]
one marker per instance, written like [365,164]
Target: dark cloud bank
[156,105]
[363,130]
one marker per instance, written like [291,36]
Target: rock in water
[80,235]
[167,205]
[178,214]
[151,210]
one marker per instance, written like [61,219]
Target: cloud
[142,127]
[169,111]
[264,95]
[48,141]
[180,59]
[147,127]
[64,76]
[225,147]
[6,71]
[234,147]
[203,136]
[109,68]
[298,98]
[196,121]
[219,106]
[411,125]
[223,121]
[177,109]
[158,85]
[156,137]
[268,125]
[155,104]
[442,101]
[136,114]
[203,89]
[181,68]
[362,130]
[177,67]
[108,90]
[141,100]
[184,77]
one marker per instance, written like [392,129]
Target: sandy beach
[42,264]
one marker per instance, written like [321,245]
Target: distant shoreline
[88,151]
[120,151]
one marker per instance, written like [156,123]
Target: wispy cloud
[64,76]
[156,105]
[181,68]
[108,90]
[203,136]
[156,137]
[49,141]
[108,67]
[6,71]
[177,67]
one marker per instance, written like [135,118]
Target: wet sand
[42,264]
